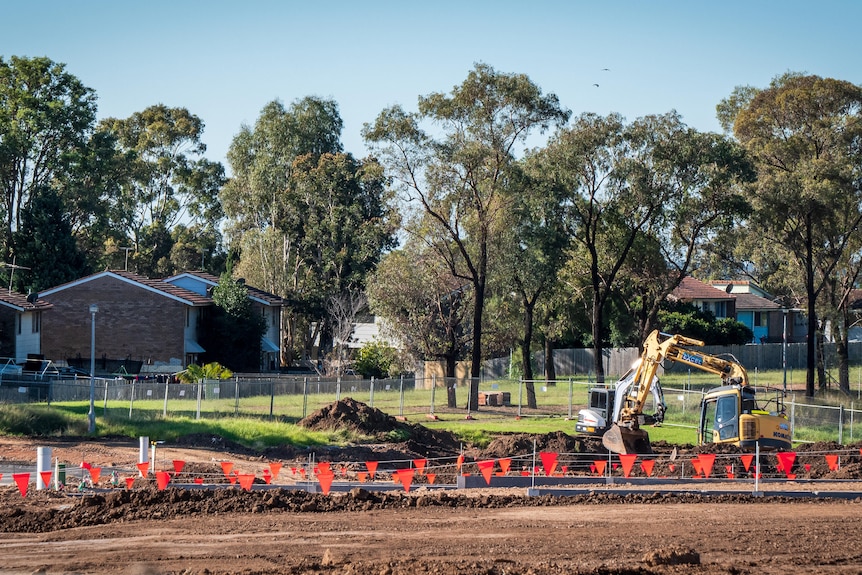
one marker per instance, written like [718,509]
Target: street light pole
[92,413]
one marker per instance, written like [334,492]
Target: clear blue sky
[225,60]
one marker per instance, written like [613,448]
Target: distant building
[21,328]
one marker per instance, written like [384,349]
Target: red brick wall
[132,322]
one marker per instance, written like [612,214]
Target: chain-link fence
[293,398]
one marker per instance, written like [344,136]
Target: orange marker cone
[22,480]
[405,476]
[487,469]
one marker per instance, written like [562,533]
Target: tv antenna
[12,267]
[127,250]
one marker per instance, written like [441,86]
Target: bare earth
[442,532]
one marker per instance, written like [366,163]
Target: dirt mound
[357,417]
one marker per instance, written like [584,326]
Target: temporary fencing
[812,468]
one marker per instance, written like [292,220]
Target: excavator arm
[625,436]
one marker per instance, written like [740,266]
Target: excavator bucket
[623,440]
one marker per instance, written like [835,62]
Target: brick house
[266,304]
[705,297]
[146,322]
[21,319]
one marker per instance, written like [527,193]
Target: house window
[20,320]
[720,309]
[761,319]
[37,321]
[188,317]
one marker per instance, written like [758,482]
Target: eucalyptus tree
[453,159]
[425,307]
[47,119]
[309,220]
[170,181]
[803,133]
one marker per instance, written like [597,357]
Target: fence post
[520,394]
[271,398]
[200,394]
[433,389]
[371,398]
[841,424]
[165,408]
[131,398]
[304,396]
[571,396]
[401,400]
[105,405]
[338,389]
[792,416]
[236,396]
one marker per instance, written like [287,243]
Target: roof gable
[159,287]
[691,289]
[21,302]
[211,280]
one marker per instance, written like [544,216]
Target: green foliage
[231,333]
[195,373]
[37,420]
[688,320]
[375,359]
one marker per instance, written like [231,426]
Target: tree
[232,331]
[308,220]
[459,176]
[170,181]
[196,373]
[803,133]
[46,118]
[424,305]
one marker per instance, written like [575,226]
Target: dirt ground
[428,530]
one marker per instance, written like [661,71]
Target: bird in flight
[606,69]
[596,85]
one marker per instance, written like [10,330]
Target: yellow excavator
[731,413]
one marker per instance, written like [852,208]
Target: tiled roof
[253,292]
[691,289]
[159,286]
[749,301]
[19,301]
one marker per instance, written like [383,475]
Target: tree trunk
[842,349]
[550,370]
[476,352]
[811,336]
[598,357]
[526,344]
[451,396]
[821,361]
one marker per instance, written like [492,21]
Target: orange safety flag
[95,474]
[505,464]
[162,477]
[487,469]
[372,468]
[600,466]
[832,462]
[274,468]
[420,465]
[246,480]
[129,482]
[647,466]
[430,477]
[746,461]
[697,468]
[199,480]
[627,460]
[22,480]
[178,466]
[267,476]
[549,462]
[786,459]
[143,468]
[707,461]
[325,480]
[226,467]
[362,476]
[406,478]
[324,467]
[46,478]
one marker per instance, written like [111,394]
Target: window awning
[267,346]
[193,347]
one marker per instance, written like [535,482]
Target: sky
[224,61]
